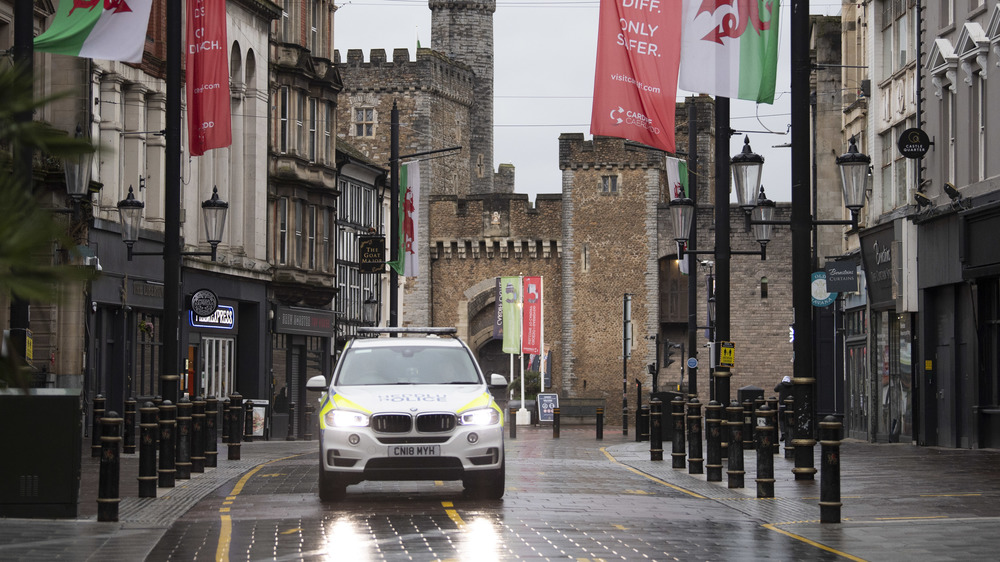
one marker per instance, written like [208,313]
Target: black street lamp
[746,167]
[369,311]
[855,170]
[213,212]
[77,172]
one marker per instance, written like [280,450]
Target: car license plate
[414,450]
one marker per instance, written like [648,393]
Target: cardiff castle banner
[635,82]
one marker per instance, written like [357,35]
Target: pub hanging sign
[371,254]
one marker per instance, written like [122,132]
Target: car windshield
[407,365]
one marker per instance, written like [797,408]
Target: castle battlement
[494,248]
[431,72]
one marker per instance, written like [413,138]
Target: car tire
[487,484]
[331,487]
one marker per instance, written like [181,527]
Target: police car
[413,407]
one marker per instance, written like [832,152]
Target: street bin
[749,392]
[40,477]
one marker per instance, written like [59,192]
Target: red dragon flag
[208,98]
[635,82]
[108,30]
[729,48]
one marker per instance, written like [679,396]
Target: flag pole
[523,416]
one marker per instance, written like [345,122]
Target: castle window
[609,184]
[364,121]
[763,287]
[585,258]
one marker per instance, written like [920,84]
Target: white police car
[415,407]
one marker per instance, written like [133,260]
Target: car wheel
[487,484]
[331,487]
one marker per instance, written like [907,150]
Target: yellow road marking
[950,495]
[619,527]
[453,514]
[226,530]
[292,531]
[653,478]
[813,543]
[225,534]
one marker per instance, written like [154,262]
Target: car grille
[433,423]
[392,423]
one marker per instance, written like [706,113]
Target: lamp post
[214,214]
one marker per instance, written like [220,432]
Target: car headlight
[345,418]
[485,416]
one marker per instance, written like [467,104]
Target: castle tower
[463,30]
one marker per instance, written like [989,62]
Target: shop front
[300,349]
[888,401]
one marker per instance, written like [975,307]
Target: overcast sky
[544,80]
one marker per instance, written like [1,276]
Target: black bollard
[198,435]
[789,425]
[748,425]
[248,421]
[512,420]
[95,434]
[211,432]
[235,425]
[763,434]
[107,487]
[829,478]
[655,430]
[713,442]
[677,416]
[555,423]
[307,433]
[600,423]
[128,431]
[642,429]
[772,403]
[183,461]
[291,422]
[696,464]
[167,472]
[157,402]
[148,428]
[226,416]
[735,471]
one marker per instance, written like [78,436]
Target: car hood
[412,398]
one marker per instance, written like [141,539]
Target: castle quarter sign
[913,143]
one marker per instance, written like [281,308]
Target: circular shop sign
[913,143]
[820,296]
[204,302]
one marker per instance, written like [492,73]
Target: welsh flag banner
[208,97]
[510,299]
[635,82]
[112,30]
[729,48]
[677,177]
[532,320]
[408,261]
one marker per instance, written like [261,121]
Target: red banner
[532,324]
[207,57]
[635,82]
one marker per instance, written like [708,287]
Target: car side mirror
[317,383]
[498,380]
